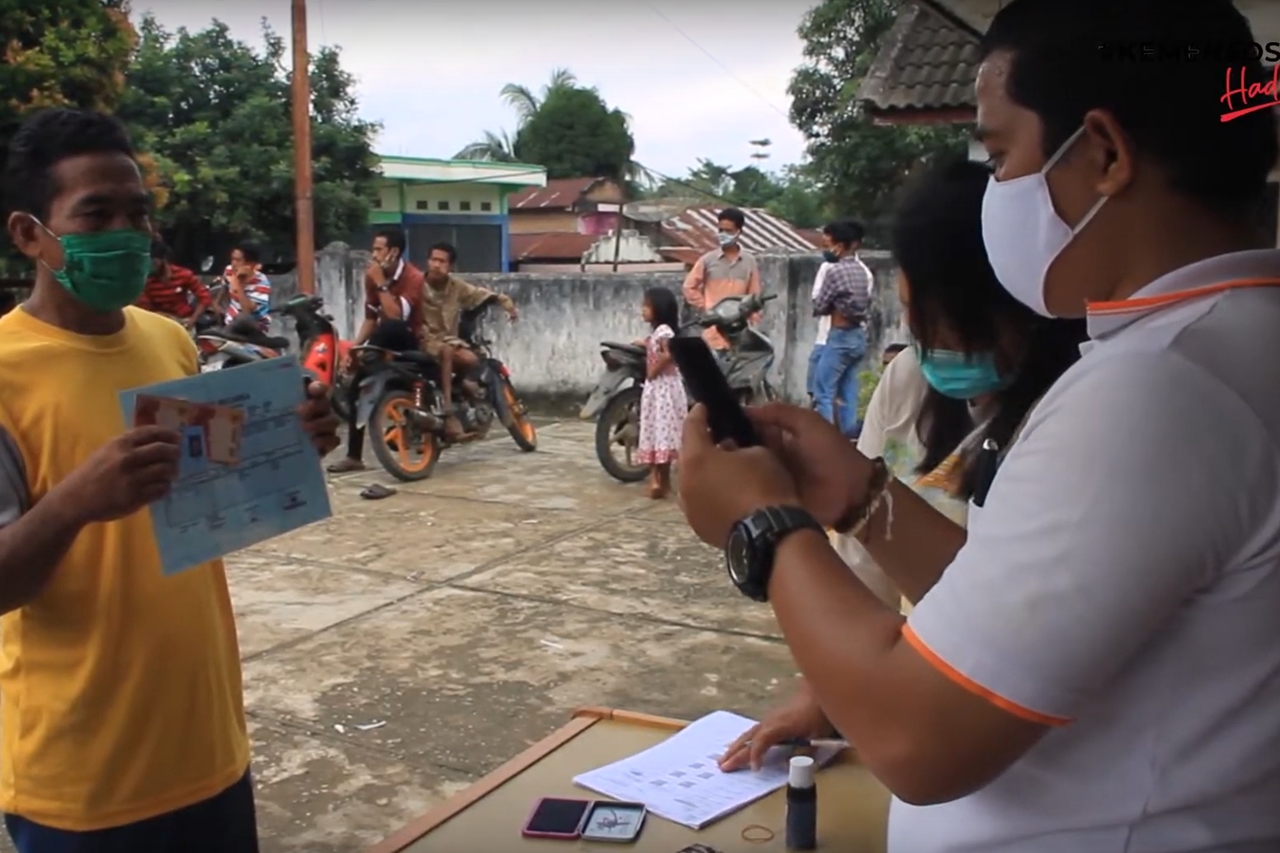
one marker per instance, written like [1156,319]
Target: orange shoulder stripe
[954,675]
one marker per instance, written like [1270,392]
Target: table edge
[581,720]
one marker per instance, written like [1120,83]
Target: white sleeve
[818,279]
[1125,494]
[894,406]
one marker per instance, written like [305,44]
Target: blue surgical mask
[830,256]
[959,375]
[727,239]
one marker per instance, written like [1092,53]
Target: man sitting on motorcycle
[444,300]
[727,271]
[392,320]
[173,290]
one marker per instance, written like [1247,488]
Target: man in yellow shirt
[121,708]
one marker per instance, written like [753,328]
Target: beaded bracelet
[860,512]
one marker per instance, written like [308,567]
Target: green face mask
[106,270]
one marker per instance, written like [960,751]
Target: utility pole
[306,238]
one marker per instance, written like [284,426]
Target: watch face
[738,555]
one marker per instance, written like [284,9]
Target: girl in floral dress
[663,404]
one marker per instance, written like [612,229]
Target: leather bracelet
[878,481]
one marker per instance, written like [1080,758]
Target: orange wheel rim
[517,412]
[396,413]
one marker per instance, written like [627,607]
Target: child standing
[663,404]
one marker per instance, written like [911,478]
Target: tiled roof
[558,194]
[695,229]
[927,63]
[550,246]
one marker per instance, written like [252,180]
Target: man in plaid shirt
[844,296]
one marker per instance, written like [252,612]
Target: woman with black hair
[984,358]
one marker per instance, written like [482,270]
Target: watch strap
[766,528]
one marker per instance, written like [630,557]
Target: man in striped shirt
[173,290]
[844,296]
[248,290]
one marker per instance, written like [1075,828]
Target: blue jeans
[836,378]
[225,823]
[811,378]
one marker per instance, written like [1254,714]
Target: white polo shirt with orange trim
[1122,585]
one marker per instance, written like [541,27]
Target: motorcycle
[400,399]
[615,400]
[243,342]
[321,350]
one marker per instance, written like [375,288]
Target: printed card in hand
[222,425]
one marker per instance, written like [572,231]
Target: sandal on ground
[376,492]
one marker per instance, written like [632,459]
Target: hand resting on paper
[318,419]
[800,717]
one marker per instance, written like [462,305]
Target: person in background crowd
[1095,664]
[173,290]
[392,320]
[727,271]
[890,353]
[662,403]
[843,299]
[120,686]
[248,290]
[824,325]
[444,299]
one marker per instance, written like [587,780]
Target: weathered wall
[554,349]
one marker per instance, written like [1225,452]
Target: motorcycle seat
[627,348]
[415,357]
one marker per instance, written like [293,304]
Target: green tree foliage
[215,117]
[568,129]
[61,53]
[858,164]
[575,134]
[791,194]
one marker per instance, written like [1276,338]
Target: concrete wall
[554,350]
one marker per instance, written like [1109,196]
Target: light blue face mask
[959,375]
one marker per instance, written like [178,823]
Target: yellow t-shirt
[120,688]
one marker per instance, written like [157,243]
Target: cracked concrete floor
[404,648]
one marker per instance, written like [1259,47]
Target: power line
[743,83]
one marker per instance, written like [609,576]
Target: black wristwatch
[754,540]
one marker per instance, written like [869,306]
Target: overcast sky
[699,78]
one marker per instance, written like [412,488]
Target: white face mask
[1024,234]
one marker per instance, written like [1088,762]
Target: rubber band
[762,834]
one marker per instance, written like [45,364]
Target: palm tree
[499,146]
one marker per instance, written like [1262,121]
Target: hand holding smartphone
[707,385]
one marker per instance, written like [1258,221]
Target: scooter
[615,400]
[323,353]
[243,342]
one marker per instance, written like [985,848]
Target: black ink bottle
[802,805]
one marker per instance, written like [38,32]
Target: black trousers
[389,334]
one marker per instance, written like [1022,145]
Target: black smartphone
[706,382]
[554,817]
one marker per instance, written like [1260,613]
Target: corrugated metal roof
[550,246]
[558,194]
[927,63]
[696,228]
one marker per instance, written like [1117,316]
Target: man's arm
[1054,591]
[471,296]
[196,288]
[33,539]
[695,290]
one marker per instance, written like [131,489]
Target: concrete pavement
[399,651]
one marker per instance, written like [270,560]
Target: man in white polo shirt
[1095,667]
